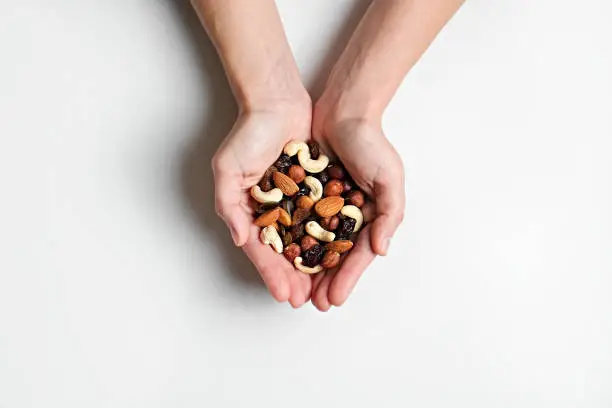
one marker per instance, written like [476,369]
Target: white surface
[497,292]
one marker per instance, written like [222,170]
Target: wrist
[336,108]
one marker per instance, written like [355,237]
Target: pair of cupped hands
[255,142]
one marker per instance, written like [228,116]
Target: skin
[274,107]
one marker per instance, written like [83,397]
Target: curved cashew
[316,188]
[302,268]
[272,196]
[269,235]
[353,212]
[312,165]
[314,229]
[293,147]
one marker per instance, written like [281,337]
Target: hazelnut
[333,188]
[308,242]
[336,172]
[331,259]
[296,173]
[305,202]
[356,198]
[347,186]
[330,223]
[292,251]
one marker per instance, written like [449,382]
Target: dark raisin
[304,191]
[314,150]
[323,177]
[266,181]
[313,256]
[283,163]
[265,208]
[300,215]
[297,232]
[347,225]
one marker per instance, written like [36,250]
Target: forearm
[253,48]
[389,40]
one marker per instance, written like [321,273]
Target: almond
[284,217]
[305,202]
[285,183]
[339,246]
[268,218]
[329,206]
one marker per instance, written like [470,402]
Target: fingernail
[386,244]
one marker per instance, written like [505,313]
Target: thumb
[390,201]
[228,197]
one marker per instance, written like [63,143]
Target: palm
[254,143]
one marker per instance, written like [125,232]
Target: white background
[120,288]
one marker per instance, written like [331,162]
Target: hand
[377,169]
[254,143]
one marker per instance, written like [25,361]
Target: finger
[319,297]
[351,270]
[301,285]
[390,201]
[228,196]
[274,269]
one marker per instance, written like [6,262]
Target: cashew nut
[316,188]
[272,196]
[353,212]
[312,165]
[309,164]
[302,268]
[269,235]
[293,147]
[314,229]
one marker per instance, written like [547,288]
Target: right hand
[254,143]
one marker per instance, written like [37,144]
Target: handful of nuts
[308,208]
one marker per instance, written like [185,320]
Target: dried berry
[304,191]
[266,181]
[336,172]
[314,150]
[297,232]
[263,208]
[323,177]
[313,256]
[300,215]
[345,229]
[347,186]
[283,163]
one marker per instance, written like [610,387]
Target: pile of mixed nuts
[308,208]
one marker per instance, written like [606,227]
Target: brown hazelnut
[331,259]
[347,186]
[336,172]
[308,242]
[305,202]
[296,173]
[330,223]
[292,251]
[333,188]
[356,198]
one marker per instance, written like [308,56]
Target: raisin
[266,181]
[263,208]
[300,215]
[314,150]
[288,206]
[313,256]
[323,177]
[304,191]
[297,232]
[347,225]
[283,163]
[287,239]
